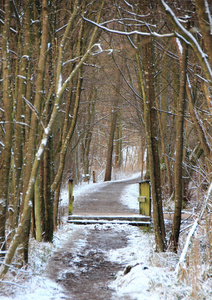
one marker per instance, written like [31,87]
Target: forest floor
[108,261]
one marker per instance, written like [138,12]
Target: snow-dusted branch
[121,20]
[13,283]
[15,122]
[31,106]
[209,15]
[182,33]
[153,34]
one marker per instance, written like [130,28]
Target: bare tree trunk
[37,211]
[48,195]
[179,153]
[88,134]
[151,129]
[114,117]
[118,143]
[19,132]
[163,121]
[8,127]
[56,206]
[108,170]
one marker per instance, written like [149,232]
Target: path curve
[105,199]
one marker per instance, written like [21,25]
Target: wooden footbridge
[102,206]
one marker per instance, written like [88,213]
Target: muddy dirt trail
[82,265]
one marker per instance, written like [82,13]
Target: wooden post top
[71,180]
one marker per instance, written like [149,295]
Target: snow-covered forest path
[105,199]
[82,265]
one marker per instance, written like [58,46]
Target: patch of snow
[38,288]
[179,45]
[26,56]
[20,76]
[59,84]
[147,274]
[42,147]
[130,195]
[150,275]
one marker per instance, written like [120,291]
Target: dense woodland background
[99,86]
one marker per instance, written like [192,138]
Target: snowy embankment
[148,275]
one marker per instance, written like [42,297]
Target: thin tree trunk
[108,170]
[8,127]
[88,134]
[56,205]
[151,129]
[162,120]
[20,111]
[37,211]
[118,143]
[179,153]
[48,195]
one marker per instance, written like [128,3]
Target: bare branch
[154,34]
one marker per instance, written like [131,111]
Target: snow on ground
[148,275]
[130,194]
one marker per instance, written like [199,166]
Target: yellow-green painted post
[144,198]
[70,196]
